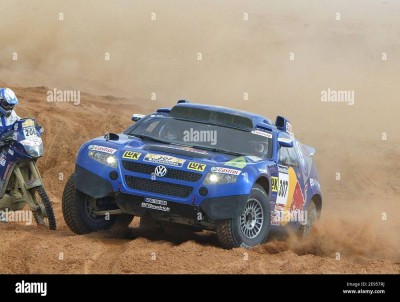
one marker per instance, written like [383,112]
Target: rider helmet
[8,100]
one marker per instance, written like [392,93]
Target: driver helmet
[8,100]
[258,148]
[169,132]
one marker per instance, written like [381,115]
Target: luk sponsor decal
[262,133]
[274,184]
[131,155]
[102,149]
[225,170]
[164,159]
[196,166]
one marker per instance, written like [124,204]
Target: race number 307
[283,186]
[283,189]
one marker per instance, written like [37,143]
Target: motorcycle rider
[8,116]
[42,207]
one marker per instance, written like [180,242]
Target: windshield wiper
[151,138]
[218,150]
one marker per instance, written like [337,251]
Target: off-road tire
[229,231]
[45,202]
[75,212]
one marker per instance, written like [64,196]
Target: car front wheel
[78,211]
[251,227]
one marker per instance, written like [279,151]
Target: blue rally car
[196,167]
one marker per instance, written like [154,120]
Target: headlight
[219,178]
[104,158]
[33,147]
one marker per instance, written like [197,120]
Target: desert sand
[359,228]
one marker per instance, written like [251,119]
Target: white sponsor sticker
[156,207]
[225,170]
[283,189]
[262,133]
[102,149]
[156,201]
[164,159]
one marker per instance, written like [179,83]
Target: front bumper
[91,184]
[214,208]
[226,207]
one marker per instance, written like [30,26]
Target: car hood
[132,148]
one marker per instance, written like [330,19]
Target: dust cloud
[267,57]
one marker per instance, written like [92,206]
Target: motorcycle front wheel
[44,215]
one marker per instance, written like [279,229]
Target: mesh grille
[172,173]
[159,187]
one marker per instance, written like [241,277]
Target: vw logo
[160,171]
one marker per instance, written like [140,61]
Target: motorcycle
[20,180]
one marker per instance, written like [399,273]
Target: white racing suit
[7,122]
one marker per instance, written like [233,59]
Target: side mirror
[137,117]
[285,142]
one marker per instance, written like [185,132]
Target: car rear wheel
[312,217]
[252,227]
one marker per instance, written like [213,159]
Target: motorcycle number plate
[29,132]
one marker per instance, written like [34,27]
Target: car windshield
[204,136]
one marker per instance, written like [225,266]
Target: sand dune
[238,57]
